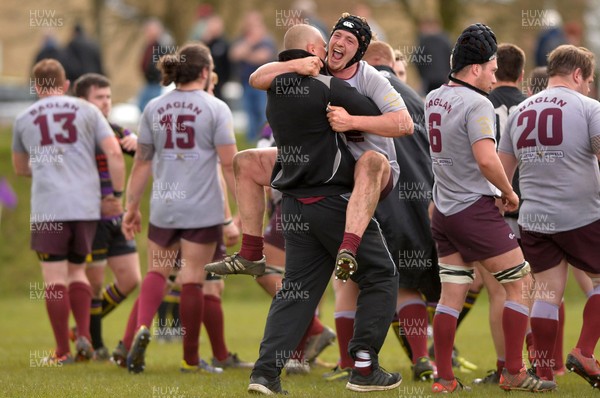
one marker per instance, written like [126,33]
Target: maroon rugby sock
[214,324]
[80,298]
[590,331]
[544,338]
[57,305]
[191,309]
[444,330]
[252,247]
[514,325]
[558,345]
[413,319]
[344,330]
[151,294]
[350,242]
[131,325]
[316,327]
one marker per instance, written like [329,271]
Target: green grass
[26,335]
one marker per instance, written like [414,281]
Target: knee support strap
[513,274]
[456,274]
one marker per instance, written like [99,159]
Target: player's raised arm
[262,78]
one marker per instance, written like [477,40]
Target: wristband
[117,194]
[226,223]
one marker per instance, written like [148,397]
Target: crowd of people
[404,203]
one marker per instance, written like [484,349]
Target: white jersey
[60,134]
[185,128]
[370,83]
[457,117]
[550,135]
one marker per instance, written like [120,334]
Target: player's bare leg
[271,281]
[497,297]
[371,175]
[252,169]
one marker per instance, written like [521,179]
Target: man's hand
[111,206]
[129,142]
[231,233]
[510,201]
[339,119]
[132,224]
[309,66]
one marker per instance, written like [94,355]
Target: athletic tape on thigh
[456,274]
[513,274]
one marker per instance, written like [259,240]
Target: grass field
[25,336]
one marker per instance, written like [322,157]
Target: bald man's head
[380,53]
[305,37]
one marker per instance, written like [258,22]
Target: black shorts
[418,269]
[110,241]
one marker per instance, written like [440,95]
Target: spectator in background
[81,55]
[252,49]
[214,38]
[158,43]
[203,13]
[50,48]
[538,80]
[436,49]
[363,10]
[308,15]
[400,65]
[550,38]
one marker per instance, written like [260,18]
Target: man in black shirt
[315,173]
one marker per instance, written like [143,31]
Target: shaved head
[380,53]
[300,37]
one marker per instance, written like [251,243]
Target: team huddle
[348,141]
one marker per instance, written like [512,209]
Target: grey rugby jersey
[185,127]
[550,135]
